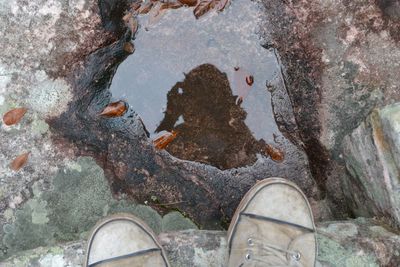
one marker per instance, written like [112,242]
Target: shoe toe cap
[118,238]
[281,201]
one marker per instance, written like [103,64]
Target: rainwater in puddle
[182,78]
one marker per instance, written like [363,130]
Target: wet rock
[372,158]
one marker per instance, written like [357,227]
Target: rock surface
[372,155]
[359,242]
[79,197]
[134,166]
[39,40]
[341,244]
[341,61]
[340,65]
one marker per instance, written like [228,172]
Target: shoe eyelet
[248,256]
[296,256]
[250,242]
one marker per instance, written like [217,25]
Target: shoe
[273,226]
[123,240]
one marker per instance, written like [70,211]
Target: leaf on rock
[156,14]
[145,8]
[222,4]
[164,139]
[204,6]
[127,16]
[19,161]
[189,2]
[171,5]
[115,109]
[132,24]
[159,9]
[135,6]
[14,116]
[275,153]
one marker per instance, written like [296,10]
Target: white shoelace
[270,255]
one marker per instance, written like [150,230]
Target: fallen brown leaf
[129,47]
[19,161]
[242,82]
[133,24]
[189,2]
[249,80]
[275,153]
[156,13]
[135,6]
[14,116]
[171,5]
[162,141]
[204,6]
[222,4]
[127,16]
[115,109]
[145,8]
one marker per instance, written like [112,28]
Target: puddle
[181,78]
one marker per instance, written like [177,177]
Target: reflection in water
[213,129]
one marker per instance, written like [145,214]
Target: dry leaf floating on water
[135,6]
[275,153]
[155,8]
[243,82]
[250,80]
[127,17]
[204,6]
[145,7]
[133,25]
[189,2]
[115,109]
[162,141]
[222,4]
[129,47]
[19,161]
[14,116]
[158,10]
[156,14]
[171,5]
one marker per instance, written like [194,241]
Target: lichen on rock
[373,161]
[78,197]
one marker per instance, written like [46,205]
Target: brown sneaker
[273,226]
[123,240]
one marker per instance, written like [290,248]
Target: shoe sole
[127,217]
[254,190]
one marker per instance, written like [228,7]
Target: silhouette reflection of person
[209,124]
